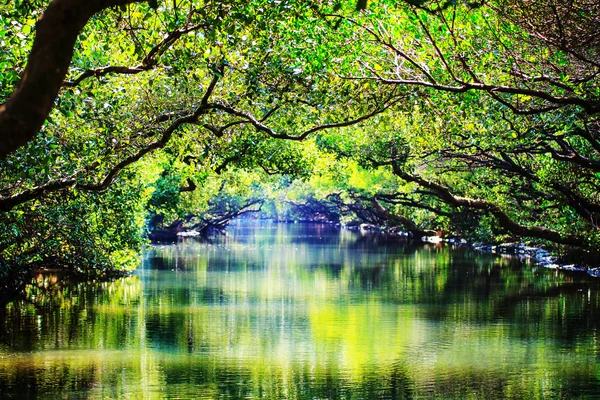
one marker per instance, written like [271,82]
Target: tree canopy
[121,116]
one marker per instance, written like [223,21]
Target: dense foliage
[461,117]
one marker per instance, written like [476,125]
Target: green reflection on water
[306,311]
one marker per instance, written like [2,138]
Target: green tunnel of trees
[118,117]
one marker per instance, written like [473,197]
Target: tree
[445,115]
[211,85]
[505,110]
[244,70]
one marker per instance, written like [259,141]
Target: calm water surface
[307,312]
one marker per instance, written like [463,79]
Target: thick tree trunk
[22,116]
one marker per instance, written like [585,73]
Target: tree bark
[22,116]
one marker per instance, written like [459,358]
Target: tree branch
[9,202]
[148,63]
[503,219]
[22,116]
[260,126]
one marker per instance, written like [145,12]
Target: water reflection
[295,311]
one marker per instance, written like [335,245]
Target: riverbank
[537,255]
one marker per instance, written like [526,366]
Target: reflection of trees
[56,313]
[231,380]
[537,301]
[229,319]
[38,383]
[461,286]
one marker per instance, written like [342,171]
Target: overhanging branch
[9,202]
[22,116]
[503,219]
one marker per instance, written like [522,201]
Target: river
[306,311]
